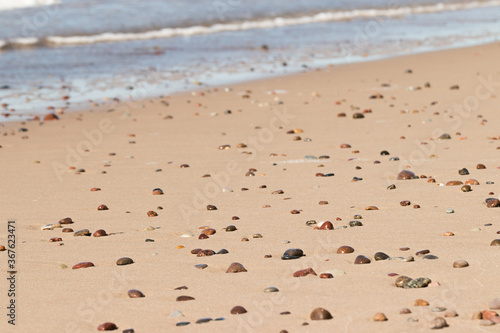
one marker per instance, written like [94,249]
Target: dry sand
[38,187]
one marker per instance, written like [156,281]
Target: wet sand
[129,149]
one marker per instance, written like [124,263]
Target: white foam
[13,4]
[271,23]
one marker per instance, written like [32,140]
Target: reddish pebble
[304,272]
[360,260]
[107,327]
[67,230]
[202,236]
[236,267]
[83,265]
[102,207]
[238,310]
[345,249]
[152,213]
[100,233]
[208,231]
[488,314]
[55,239]
[326,276]
[66,220]
[95,189]
[471,182]
[326,226]
[379,317]
[406,174]
[405,203]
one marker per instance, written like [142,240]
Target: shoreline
[280,134]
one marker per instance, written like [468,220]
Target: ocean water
[105,49]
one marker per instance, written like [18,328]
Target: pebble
[320,314]
[463,172]
[124,261]
[326,276]
[471,182]
[345,249]
[53,239]
[134,293]
[203,253]
[438,323]
[304,272]
[430,257]
[417,283]
[230,228]
[107,327]
[421,302]
[236,267]
[157,191]
[454,183]
[406,174]
[67,230]
[186,235]
[238,310]
[100,233]
[176,314]
[327,225]
[244,239]
[211,207]
[83,265]
[355,224]
[495,242]
[488,314]
[408,259]
[379,317]
[222,251]
[66,220]
[438,309]
[102,207]
[360,260]
[492,202]
[380,256]
[450,211]
[371,208]
[391,187]
[486,323]
[405,203]
[292,254]
[184,298]
[450,313]
[480,166]
[201,266]
[448,233]
[152,213]
[466,188]
[422,252]
[256,236]
[182,323]
[404,311]
[208,231]
[271,290]
[460,264]
[83,232]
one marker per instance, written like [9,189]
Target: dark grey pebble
[201,266]
[380,256]
[203,320]
[223,251]
[355,224]
[149,240]
[182,323]
[430,257]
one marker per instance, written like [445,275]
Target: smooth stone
[227,190]
[326,276]
[83,265]
[360,260]
[320,314]
[66,220]
[463,172]
[201,266]
[421,302]
[107,327]
[379,317]
[417,283]
[236,267]
[405,311]
[83,232]
[488,314]
[454,183]
[409,259]
[460,264]
[184,298]
[293,253]
[355,224]
[182,323]
[380,256]
[51,226]
[203,320]
[238,310]
[271,290]
[181,288]
[63,266]
[438,323]
[345,249]
[495,242]
[304,272]
[357,217]
[204,253]
[211,207]
[326,225]
[176,314]
[429,257]
[450,313]
[395,258]
[450,211]
[445,136]
[422,252]
[124,261]
[100,233]
[134,293]
[438,309]
[230,228]
[406,174]
[401,281]
[391,187]
[186,235]
[223,251]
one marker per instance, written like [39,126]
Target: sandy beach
[332,140]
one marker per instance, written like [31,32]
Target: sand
[39,188]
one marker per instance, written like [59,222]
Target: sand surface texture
[282,134]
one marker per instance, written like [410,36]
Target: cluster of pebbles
[219,246]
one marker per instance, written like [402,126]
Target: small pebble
[379,317]
[438,323]
[238,310]
[320,314]
[460,264]
[236,267]
[134,293]
[124,261]
[107,327]
[360,260]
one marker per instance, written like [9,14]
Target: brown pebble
[95,189]
[235,218]
[211,207]
[209,231]
[401,281]
[238,310]
[416,206]
[406,174]
[236,267]
[454,183]
[345,249]
[371,208]
[50,116]
[448,233]
[323,202]
[320,314]
[379,317]
[405,203]
[345,145]
[83,265]
[134,293]
[304,272]
[421,302]
[422,252]
[244,239]
[100,233]
[480,166]
[438,323]
[431,180]
[2,248]
[404,311]
[495,242]
[181,288]
[107,327]
[360,260]
[326,276]
[295,211]
[152,213]
[66,220]
[195,251]
[184,298]
[124,261]
[492,203]
[471,182]
[203,236]
[404,248]
[157,191]
[67,230]
[102,207]
[205,253]
[184,166]
[460,264]
[327,225]
[55,239]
